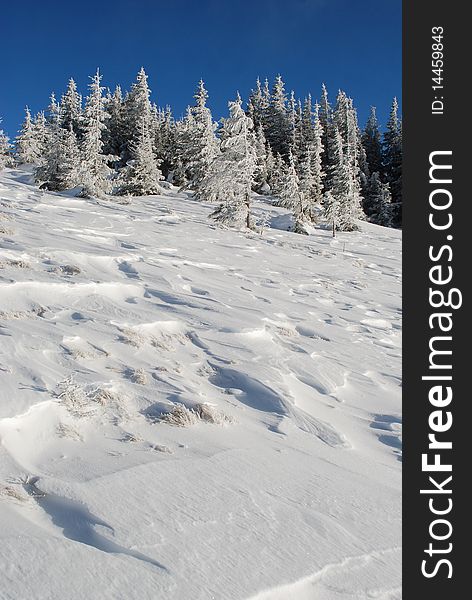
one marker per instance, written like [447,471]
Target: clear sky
[350,44]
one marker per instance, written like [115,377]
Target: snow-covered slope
[293,341]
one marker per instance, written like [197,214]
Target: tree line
[311,158]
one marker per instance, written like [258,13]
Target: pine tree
[53,113]
[95,173]
[344,187]
[164,138]
[70,108]
[261,174]
[183,132]
[137,106]
[60,168]
[41,133]
[277,174]
[310,168]
[230,177]
[295,125]
[278,130]
[258,104]
[372,143]
[393,153]
[381,201]
[202,145]
[6,158]
[142,175]
[305,134]
[326,122]
[270,166]
[115,134]
[331,210]
[28,145]
[290,196]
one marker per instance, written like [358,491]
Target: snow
[296,339]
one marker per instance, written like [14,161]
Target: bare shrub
[132,337]
[181,416]
[209,414]
[139,376]
[69,270]
[8,491]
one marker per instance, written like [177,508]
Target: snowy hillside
[285,481]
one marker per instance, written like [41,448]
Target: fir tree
[290,196]
[70,108]
[372,143]
[331,210]
[261,174]
[326,121]
[41,132]
[164,138]
[258,104]
[137,106]
[60,169]
[344,187]
[277,174]
[231,175]
[6,158]
[29,147]
[142,175]
[393,153]
[381,201]
[115,134]
[310,168]
[53,113]
[278,130]
[202,145]
[95,173]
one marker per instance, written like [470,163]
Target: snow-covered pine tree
[141,176]
[230,177]
[182,133]
[29,148]
[277,173]
[309,166]
[164,142]
[95,172]
[257,105]
[115,134]
[393,153]
[70,108]
[278,130]
[344,187]
[306,128]
[270,166]
[290,196]
[331,210]
[381,201]
[137,106]
[60,168]
[326,121]
[372,142]
[53,113]
[295,124]
[41,133]
[261,174]
[202,144]
[6,158]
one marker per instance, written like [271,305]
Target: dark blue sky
[350,44]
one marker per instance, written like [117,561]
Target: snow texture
[277,354]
